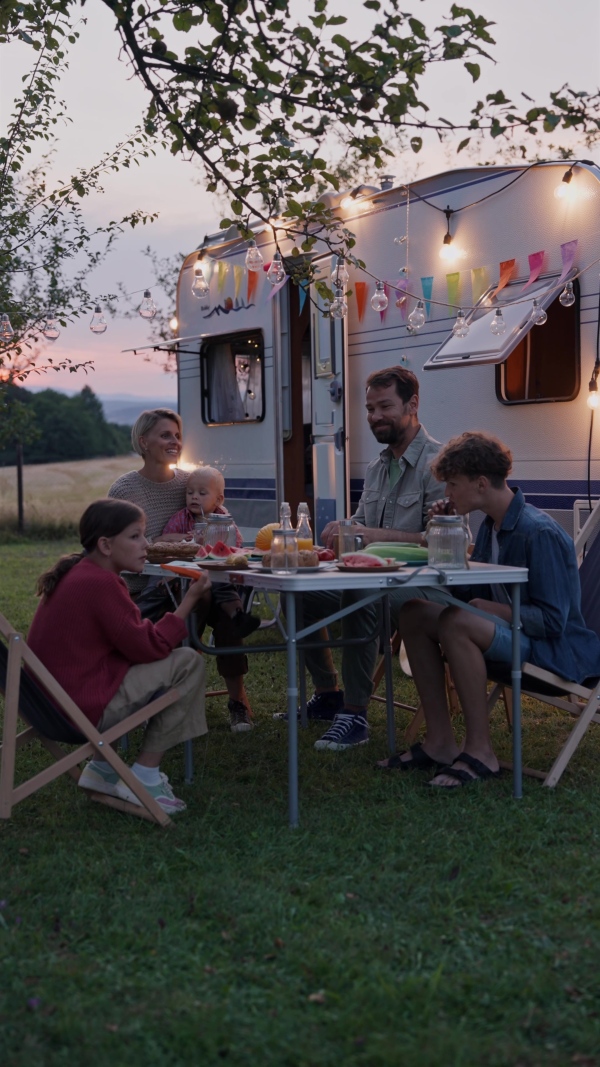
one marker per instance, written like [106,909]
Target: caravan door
[329,411]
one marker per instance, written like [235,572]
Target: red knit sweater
[89,632]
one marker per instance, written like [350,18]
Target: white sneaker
[106,781]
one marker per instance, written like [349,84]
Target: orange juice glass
[305,544]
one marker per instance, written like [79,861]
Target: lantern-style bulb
[498,325]
[564,190]
[147,308]
[6,330]
[98,323]
[340,276]
[200,286]
[50,327]
[379,300]
[276,272]
[416,319]
[254,260]
[538,316]
[461,326]
[173,323]
[339,307]
[567,297]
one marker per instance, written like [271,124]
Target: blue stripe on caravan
[250,489]
[548,495]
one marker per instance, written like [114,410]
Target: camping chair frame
[79,730]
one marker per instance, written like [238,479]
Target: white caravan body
[296,423]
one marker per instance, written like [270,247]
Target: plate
[384,569]
[300,570]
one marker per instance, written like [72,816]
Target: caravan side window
[232,369]
[545,365]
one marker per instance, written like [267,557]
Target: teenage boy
[553,635]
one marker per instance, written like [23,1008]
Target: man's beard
[387,434]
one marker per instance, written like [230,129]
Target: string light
[416,319]
[461,326]
[448,252]
[276,272]
[50,327]
[173,323]
[6,330]
[379,300]
[147,308]
[98,323]
[254,260]
[339,307]
[340,276]
[498,325]
[567,297]
[538,316]
[564,190]
[200,286]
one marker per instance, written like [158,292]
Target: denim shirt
[551,598]
[404,507]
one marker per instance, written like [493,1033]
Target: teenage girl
[89,633]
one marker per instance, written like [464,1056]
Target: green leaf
[237,207]
[463,144]
[474,70]
[416,143]
[225,224]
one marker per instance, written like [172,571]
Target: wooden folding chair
[51,717]
[418,718]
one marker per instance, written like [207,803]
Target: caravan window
[544,366]
[232,370]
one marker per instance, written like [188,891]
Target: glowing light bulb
[173,323]
[98,323]
[339,307]
[567,297]
[347,202]
[340,276]
[461,326]
[6,330]
[538,316]
[50,327]
[276,272]
[379,300]
[498,325]
[565,190]
[200,286]
[147,308]
[254,260]
[593,400]
[416,319]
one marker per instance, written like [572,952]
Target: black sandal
[463,777]
[420,760]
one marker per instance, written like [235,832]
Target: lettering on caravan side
[227,307]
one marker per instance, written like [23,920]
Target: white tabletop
[329,578]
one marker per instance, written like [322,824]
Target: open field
[392,928]
[56,493]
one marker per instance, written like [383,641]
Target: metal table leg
[292,692]
[389,680]
[516,689]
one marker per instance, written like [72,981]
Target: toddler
[204,494]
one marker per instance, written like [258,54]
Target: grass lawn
[394,927]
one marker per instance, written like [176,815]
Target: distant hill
[122,408]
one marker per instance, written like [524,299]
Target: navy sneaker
[323,706]
[348,730]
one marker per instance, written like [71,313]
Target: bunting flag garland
[382,314]
[222,272]
[276,288]
[480,281]
[238,277]
[253,277]
[362,290]
[568,251]
[536,262]
[506,270]
[453,283]
[302,294]
[401,301]
[427,287]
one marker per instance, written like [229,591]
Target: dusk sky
[541,44]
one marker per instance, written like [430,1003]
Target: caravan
[271,389]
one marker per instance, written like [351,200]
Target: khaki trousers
[184,670]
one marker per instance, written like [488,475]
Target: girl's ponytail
[48,581]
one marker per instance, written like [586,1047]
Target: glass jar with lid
[447,542]
[219,528]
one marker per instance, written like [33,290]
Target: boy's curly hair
[474,453]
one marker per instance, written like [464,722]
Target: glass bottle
[285,516]
[284,552]
[219,528]
[346,537]
[303,530]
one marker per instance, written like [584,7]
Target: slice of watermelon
[221,551]
[359,559]
[202,552]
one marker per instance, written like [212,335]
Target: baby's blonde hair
[212,473]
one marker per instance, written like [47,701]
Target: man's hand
[328,533]
[441,507]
